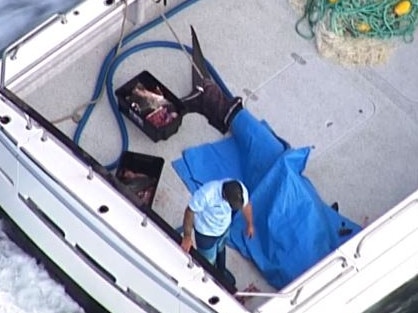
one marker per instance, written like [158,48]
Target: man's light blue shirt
[212,213]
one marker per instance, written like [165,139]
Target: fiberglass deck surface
[360,122]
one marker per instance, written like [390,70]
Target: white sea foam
[26,287]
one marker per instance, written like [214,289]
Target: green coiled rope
[361,18]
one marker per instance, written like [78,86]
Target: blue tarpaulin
[294,228]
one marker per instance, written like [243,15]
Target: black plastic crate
[141,174]
[151,106]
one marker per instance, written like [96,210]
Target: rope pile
[357,31]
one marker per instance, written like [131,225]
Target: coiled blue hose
[110,65]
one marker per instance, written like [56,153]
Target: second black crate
[141,174]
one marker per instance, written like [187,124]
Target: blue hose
[110,65]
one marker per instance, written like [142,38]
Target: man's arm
[187,242]
[248,215]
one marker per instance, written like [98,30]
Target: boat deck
[360,121]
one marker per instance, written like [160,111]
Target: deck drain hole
[103,209]
[4,119]
[76,12]
[250,94]
[313,147]
[360,111]
[214,300]
[298,58]
[109,2]
[329,124]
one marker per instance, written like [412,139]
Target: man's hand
[248,214]
[250,230]
[186,243]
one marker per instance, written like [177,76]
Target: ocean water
[26,287]
[17,17]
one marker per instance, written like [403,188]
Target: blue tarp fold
[294,227]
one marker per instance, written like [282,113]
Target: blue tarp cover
[294,228]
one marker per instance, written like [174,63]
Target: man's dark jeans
[212,248]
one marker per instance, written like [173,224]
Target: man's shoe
[229,277]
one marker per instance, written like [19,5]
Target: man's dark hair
[232,192]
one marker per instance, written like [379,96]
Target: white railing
[57,37]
